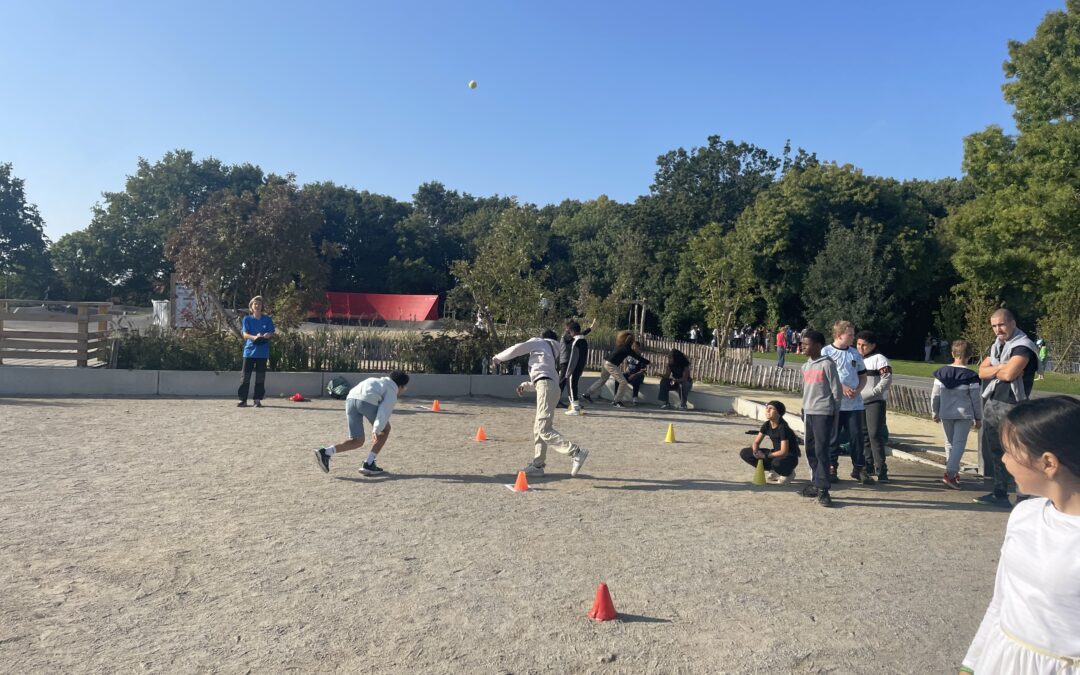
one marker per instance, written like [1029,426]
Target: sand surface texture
[170,535]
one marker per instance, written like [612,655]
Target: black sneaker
[667,406]
[992,499]
[370,469]
[617,404]
[883,475]
[864,477]
[258,404]
[587,397]
[241,404]
[824,499]
[809,491]
[833,478]
[323,460]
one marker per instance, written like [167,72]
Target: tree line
[728,234]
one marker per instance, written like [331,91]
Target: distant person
[676,377]
[634,374]
[852,372]
[1008,373]
[577,354]
[373,399]
[781,462]
[543,379]
[956,402]
[1044,357]
[781,346]
[1032,624]
[624,342]
[875,396]
[928,347]
[821,398]
[693,333]
[256,329]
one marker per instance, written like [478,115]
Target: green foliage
[158,349]
[26,270]
[260,242]
[848,280]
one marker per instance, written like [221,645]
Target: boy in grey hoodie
[957,403]
[821,409]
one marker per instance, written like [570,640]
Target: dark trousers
[635,379]
[874,435]
[990,444]
[572,382]
[683,387]
[784,466]
[259,366]
[819,431]
[852,421]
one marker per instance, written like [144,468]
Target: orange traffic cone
[602,609]
[521,484]
[435,406]
[480,435]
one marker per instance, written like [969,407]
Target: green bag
[338,388]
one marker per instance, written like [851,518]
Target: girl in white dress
[1032,625]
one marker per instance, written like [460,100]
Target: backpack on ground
[338,388]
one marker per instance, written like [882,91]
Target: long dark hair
[677,359]
[1046,425]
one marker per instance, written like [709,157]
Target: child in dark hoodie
[957,403]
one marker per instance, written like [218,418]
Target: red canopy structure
[381,306]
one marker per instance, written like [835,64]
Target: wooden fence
[51,338]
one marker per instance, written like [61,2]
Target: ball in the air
[472,84]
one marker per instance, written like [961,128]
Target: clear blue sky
[575,99]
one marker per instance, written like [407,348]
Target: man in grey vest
[1007,374]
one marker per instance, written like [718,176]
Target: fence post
[82,337]
[3,311]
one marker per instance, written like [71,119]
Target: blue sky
[575,99]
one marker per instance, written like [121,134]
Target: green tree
[849,280]
[25,267]
[256,242]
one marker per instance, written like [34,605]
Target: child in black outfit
[783,459]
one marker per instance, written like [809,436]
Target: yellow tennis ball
[472,84]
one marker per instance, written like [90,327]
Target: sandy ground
[171,535]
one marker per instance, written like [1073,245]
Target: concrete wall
[47,381]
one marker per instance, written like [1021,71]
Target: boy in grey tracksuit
[821,409]
[956,401]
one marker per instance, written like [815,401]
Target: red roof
[385,306]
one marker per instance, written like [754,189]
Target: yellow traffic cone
[759,473]
[670,434]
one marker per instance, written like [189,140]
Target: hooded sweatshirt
[821,392]
[955,395]
[543,355]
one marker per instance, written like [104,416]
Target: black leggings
[259,366]
[785,466]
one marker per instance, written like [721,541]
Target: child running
[1033,622]
[956,402]
[821,411]
[544,380]
[374,398]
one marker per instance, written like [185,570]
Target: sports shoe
[579,461]
[809,491]
[772,477]
[683,407]
[323,460]
[533,470]
[824,499]
[258,404]
[370,469]
[784,480]
[617,404]
[993,500]
[833,478]
[951,481]
[666,406]
[587,397]
[864,477]
[883,475]
[574,410]
[241,404]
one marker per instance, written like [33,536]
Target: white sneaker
[574,410]
[784,480]
[772,477]
[579,461]
[533,470]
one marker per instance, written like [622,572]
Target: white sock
[371,458]
[329,450]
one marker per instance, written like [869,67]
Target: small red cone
[435,406]
[602,609]
[480,435]
[522,483]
